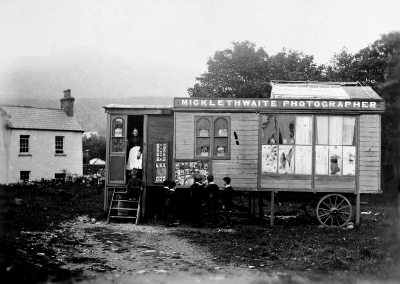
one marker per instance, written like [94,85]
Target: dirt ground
[46,240]
[152,253]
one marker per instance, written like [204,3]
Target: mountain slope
[90,73]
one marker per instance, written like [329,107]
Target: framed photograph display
[161,161]
[184,171]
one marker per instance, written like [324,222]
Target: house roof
[23,117]
[345,91]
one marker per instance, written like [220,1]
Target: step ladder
[121,208]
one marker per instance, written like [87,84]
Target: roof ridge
[31,107]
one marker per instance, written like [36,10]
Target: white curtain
[303,131]
[322,130]
[348,130]
[335,130]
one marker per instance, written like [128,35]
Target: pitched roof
[23,117]
[323,91]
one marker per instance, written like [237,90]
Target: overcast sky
[188,32]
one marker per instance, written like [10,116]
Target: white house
[38,143]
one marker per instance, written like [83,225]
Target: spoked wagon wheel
[213,214]
[334,210]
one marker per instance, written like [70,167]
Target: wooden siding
[285,181]
[243,164]
[184,135]
[334,182]
[369,168]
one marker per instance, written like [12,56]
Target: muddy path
[149,253]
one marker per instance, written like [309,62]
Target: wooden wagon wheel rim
[334,210]
[208,213]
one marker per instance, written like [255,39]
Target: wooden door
[117,149]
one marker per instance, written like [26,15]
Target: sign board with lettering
[278,104]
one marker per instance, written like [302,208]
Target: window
[212,137]
[24,143]
[288,147]
[59,144]
[287,144]
[335,149]
[24,175]
[118,139]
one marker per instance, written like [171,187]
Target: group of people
[200,194]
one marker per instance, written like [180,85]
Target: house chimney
[67,103]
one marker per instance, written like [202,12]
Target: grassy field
[370,251]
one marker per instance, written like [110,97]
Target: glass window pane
[221,127]
[269,155]
[321,160]
[303,132]
[203,147]
[118,127]
[322,123]
[335,130]
[303,158]
[286,129]
[269,133]
[118,145]
[203,128]
[220,147]
[349,160]
[285,162]
[349,123]
[335,160]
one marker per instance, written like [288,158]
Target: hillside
[90,73]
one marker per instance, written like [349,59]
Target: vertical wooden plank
[108,143]
[272,207]
[260,207]
[358,208]
[144,166]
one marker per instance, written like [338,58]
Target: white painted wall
[42,161]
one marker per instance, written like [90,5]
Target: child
[212,191]
[197,199]
[135,186]
[170,204]
[228,195]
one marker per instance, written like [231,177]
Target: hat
[198,177]
[227,179]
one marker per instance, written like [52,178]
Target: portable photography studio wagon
[318,138]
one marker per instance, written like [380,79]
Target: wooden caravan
[317,138]
[155,125]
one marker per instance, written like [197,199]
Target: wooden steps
[121,208]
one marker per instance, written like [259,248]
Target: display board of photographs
[161,161]
[185,171]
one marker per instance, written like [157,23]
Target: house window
[59,144]
[287,144]
[24,175]
[212,137]
[335,145]
[24,143]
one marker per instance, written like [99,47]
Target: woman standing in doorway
[135,143]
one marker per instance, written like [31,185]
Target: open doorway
[134,121]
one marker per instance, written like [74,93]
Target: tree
[239,72]
[96,146]
[244,72]
[295,66]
